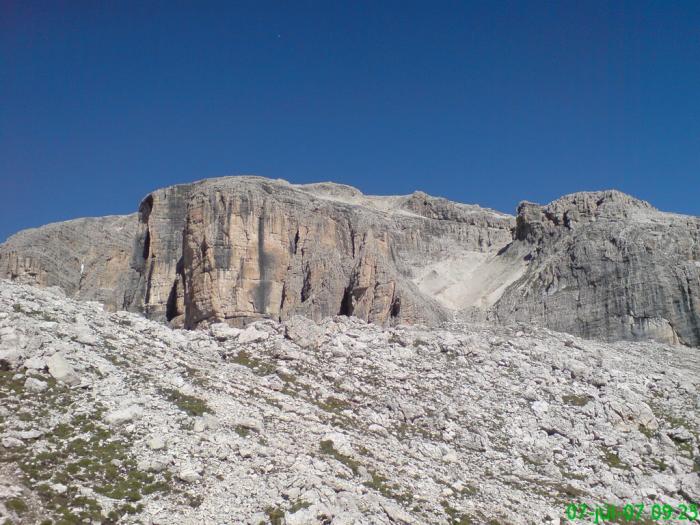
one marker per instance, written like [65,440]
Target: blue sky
[488,102]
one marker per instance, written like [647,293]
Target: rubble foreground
[112,418]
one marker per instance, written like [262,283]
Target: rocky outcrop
[606,265]
[240,248]
[90,259]
[237,249]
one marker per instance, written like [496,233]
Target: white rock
[35,363]
[61,370]
[252,335]
[222,331]
[250,423]
[10,357]
[540,408]
[156,443]
[123,415]
[188,475]
[59,488]
[35,385]
[29,434]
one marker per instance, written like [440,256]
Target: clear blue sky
[488,102]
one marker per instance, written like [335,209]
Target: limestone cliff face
[91,259]
[236,249]
[606,265]
[241,248]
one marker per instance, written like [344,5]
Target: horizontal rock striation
[606,265]
[90,259]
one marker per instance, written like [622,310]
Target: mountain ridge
[237,249]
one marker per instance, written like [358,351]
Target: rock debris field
[112,418]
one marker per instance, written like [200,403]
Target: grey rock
[238,249]
[403,419]
[53,255]
[12,442]
[314,250]
[606,265]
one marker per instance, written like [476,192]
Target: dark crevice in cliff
[395,307]
[149,281]
[346,303]
[306,285]
[171,310]
[171,305]
[264,262]
[147,245]
[284,296]
[145,209]
[352,240]
[295,243]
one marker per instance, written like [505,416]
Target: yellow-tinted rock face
[241,248]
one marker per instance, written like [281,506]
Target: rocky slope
[236,249]
[110,417]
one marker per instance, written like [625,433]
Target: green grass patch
[258,366]
[191,405]
[454,516]
[328,449]
[613,460]
[299,505]
[335,405]
[575,400]
[275,515]
[16,505]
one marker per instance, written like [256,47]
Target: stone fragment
[11,442]
[59,488]
[252,335]
[222,331]
[124,415]
[61,370]
[156,443]
[188,475]
[35,363]
[35,385]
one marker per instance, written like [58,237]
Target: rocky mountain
[113,418]
[606,265]
[237,249]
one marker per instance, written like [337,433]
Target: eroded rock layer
[606,265]
[90,259]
